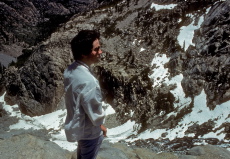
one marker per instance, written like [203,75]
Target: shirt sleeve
[92,105]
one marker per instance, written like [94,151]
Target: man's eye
[97,49]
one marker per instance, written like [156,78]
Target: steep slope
[148,75]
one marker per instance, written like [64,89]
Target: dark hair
[82,43]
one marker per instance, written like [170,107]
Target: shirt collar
[82,63]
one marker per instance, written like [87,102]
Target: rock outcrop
[38,86]
[26,146]
[124,152]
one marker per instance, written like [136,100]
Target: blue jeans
[88,149]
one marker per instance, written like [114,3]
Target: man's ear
[84,56]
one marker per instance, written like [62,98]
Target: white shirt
[83,103]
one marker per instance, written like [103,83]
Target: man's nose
[100,51]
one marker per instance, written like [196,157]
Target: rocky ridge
[36,84]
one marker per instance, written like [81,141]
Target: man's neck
[86,61]
[83,62]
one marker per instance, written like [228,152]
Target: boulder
[26,146]
[207,151]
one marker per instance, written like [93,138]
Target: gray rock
[30,147]
[215,152]
[196,151]
[187,157]
[206,152]
[122,151]
[107,151]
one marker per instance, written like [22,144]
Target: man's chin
[97,60]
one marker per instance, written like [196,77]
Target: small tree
[128,3]
[2,68]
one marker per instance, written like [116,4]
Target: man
[83,99]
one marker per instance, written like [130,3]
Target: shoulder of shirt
[80,72]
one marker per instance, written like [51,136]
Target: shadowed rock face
[36,84]
[25,23]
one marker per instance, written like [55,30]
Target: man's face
[94,56]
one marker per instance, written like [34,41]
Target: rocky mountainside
[25,23]
[209,59]
[40,141]
[133,33]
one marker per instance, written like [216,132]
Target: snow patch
[121,132]
[160,73]
[219,115]
[142,49]
[159,7]
[187,32]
